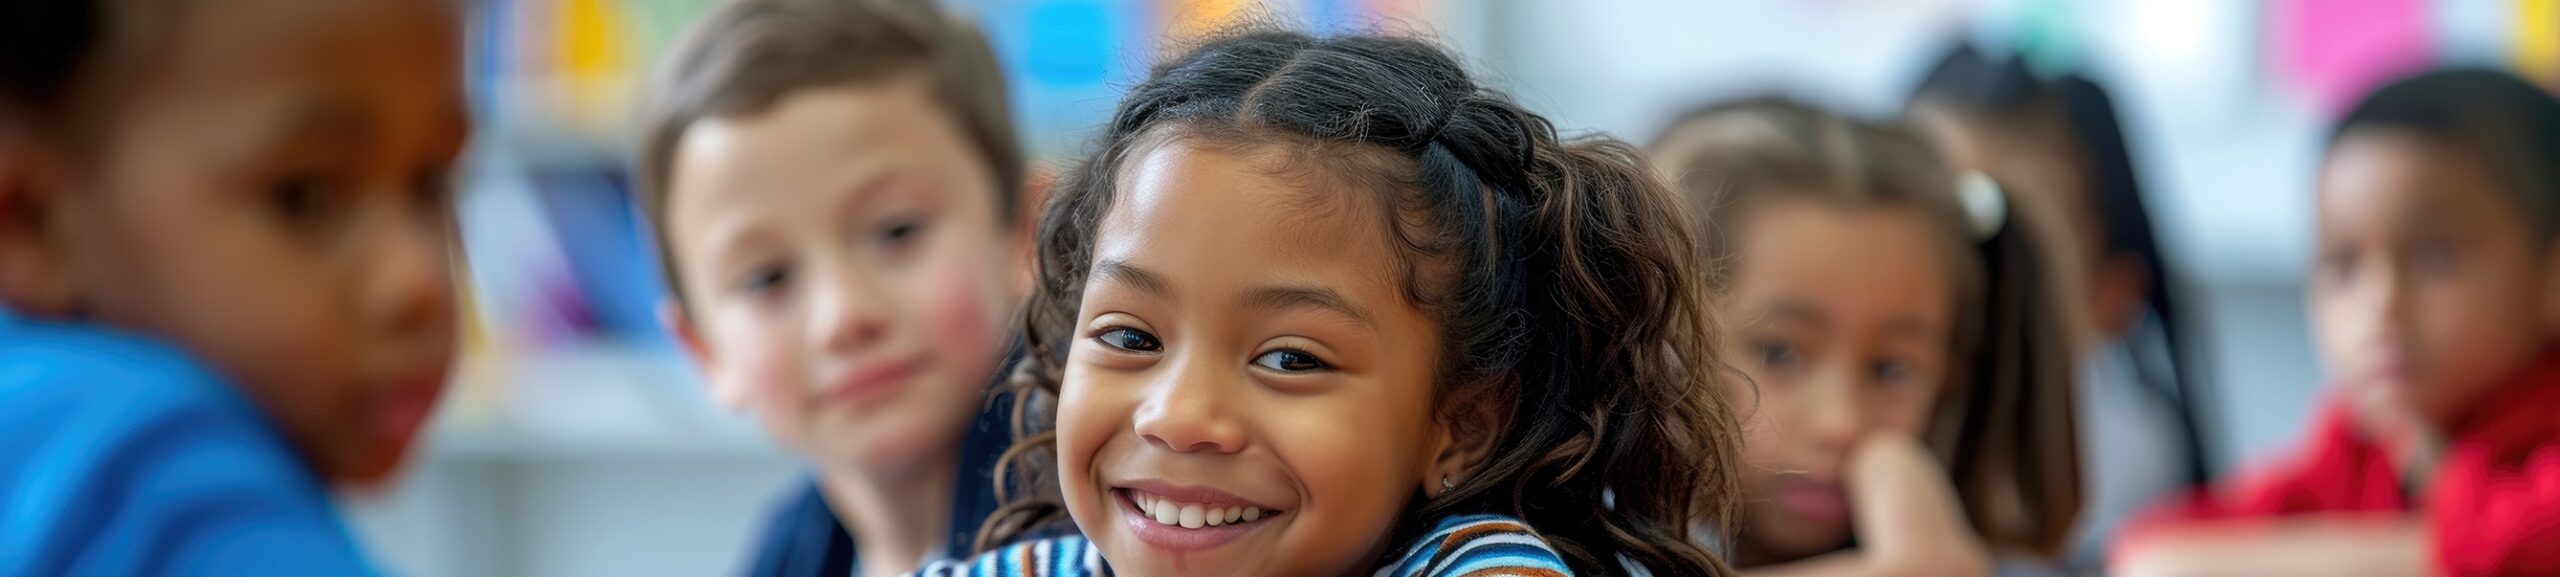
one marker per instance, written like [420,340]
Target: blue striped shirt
[1463,546]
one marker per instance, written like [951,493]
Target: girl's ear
[1458,448]
[37,277]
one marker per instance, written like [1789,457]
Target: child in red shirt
[2432,301]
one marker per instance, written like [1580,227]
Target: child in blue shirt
[224,253]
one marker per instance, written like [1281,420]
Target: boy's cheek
[751,372]
[966,323]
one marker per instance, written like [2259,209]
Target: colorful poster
[2330,52]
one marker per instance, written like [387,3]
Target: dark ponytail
[2009,434]
[1561,275]
[2072,118]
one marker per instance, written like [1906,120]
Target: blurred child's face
[1244,353]
[1842,318]
[843,263]
[270,193]
[2430,285]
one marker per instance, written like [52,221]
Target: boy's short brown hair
[748,55]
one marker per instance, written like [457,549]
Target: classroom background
[578,443]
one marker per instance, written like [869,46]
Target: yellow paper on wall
[593,57]
[1194,18]
[2537,41]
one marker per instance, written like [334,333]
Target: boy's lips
[2385,367]
[399,412]
[869,382]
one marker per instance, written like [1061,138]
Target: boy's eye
[2433,258]
[1129,339]
[764,280]
[435,192]
[1289,361]
[2337,267]
[900,232]
[300,199]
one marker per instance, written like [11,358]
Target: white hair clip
[1984,204]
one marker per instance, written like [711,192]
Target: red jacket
[2492,506]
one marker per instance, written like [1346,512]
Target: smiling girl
[1328,306]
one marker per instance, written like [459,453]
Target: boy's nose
[411,286]
[851,312]
[1188,409]
[2381,302]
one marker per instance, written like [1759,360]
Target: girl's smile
[1187,518]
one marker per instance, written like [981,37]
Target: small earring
[1446,484]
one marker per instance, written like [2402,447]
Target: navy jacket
[805,539]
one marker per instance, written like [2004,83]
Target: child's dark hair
[2510,125]
[2073,116]
[748,55]
[1560,273]
[2004,428]
[51,54]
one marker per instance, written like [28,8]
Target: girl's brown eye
[1128,339]
[1892,372]
[1775,354]
[1289,361]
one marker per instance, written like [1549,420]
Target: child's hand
[1906,516]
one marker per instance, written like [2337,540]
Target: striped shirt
[1463,546]
[1069,556]
[1478,546]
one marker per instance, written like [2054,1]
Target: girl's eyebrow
[1115,271]
[1792,310]
[1907,327]
[1277,298]
[1267,298]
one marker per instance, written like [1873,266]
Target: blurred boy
[834,186]
[2435,301]
[223,254]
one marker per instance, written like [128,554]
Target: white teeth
[1190,516]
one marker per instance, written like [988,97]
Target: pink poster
[2329,52]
